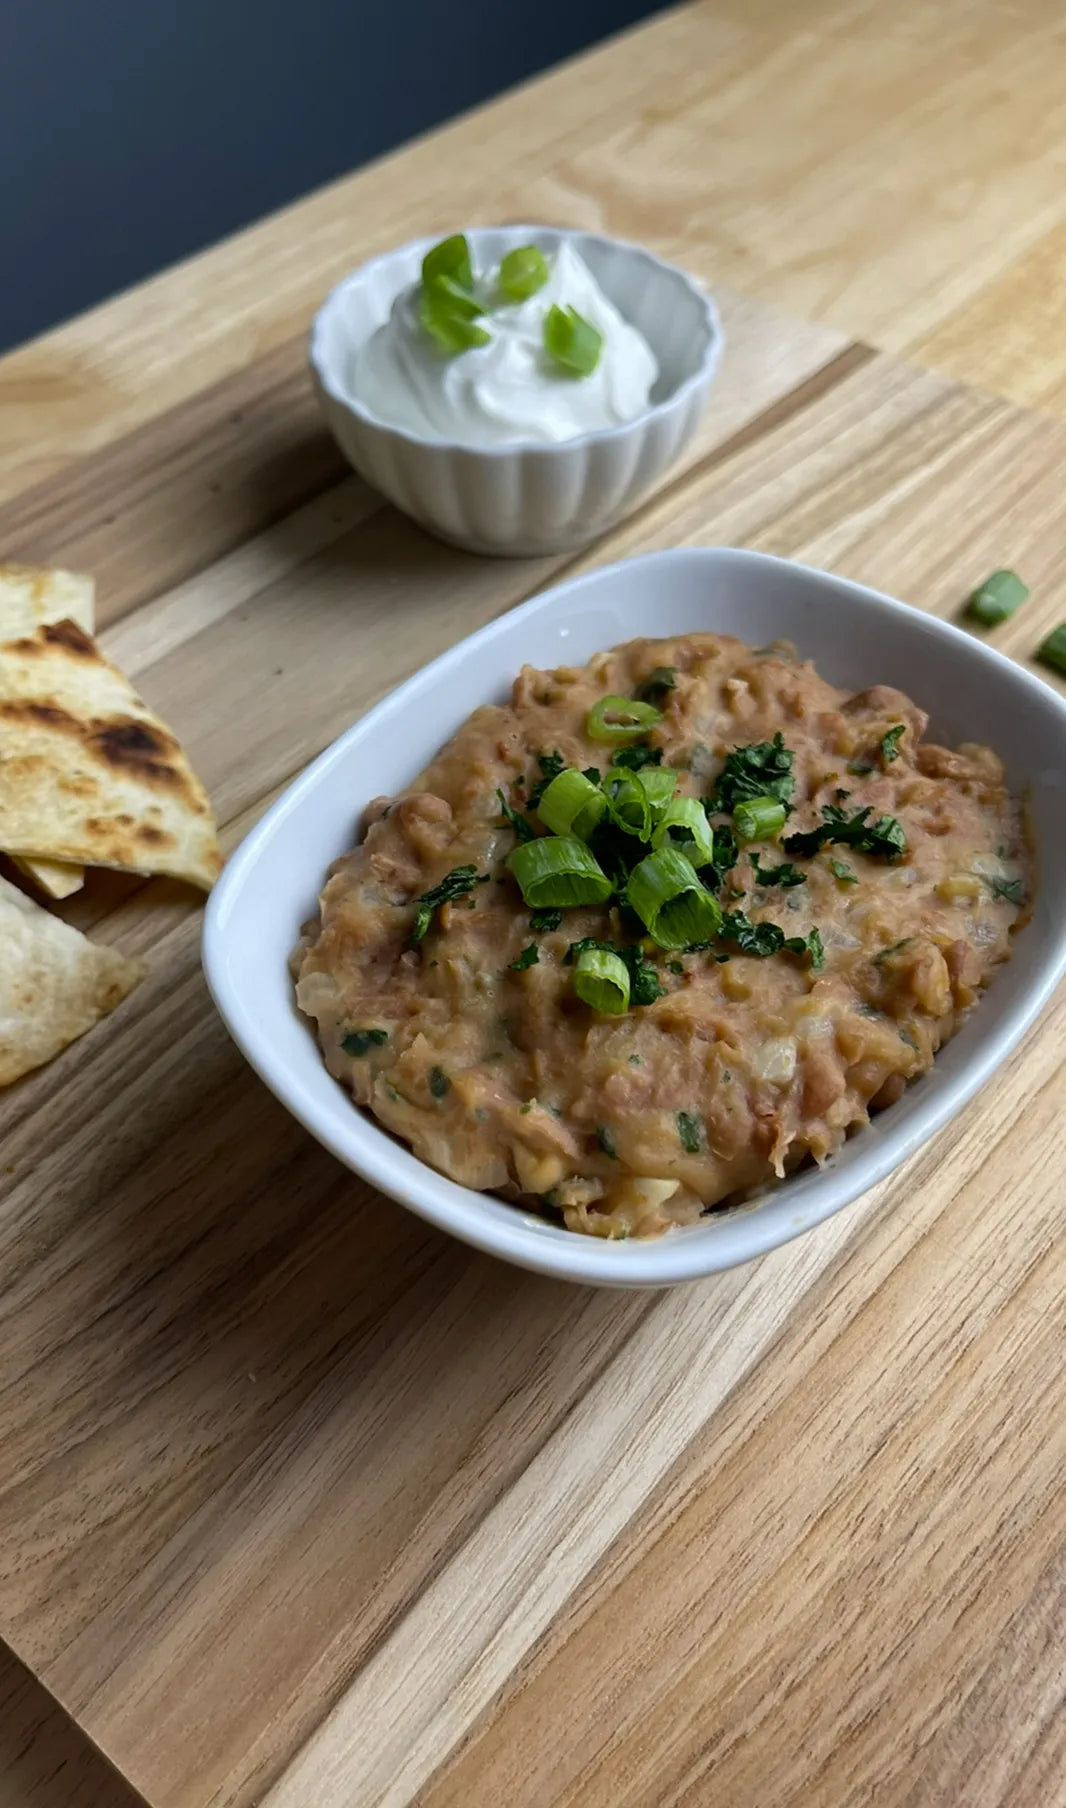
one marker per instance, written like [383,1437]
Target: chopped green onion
[656,687]
[360,1042]
[449,317]
[997,598]
[439,1082]
[759,818]
[1053,650]
[636,800]
[670,901]
[455,884]
[450,258]
[658,784]
[601,980]
[620,719]
[529,957]
[557,871]
[522,272]
[572,342]
[685,827]
[571,805]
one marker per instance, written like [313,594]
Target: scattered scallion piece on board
[1052,651]
[997,598]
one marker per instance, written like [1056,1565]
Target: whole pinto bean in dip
[661,929]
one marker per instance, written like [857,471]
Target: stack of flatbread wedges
[89,776]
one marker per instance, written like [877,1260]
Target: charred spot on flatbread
[68,634]
[141,749]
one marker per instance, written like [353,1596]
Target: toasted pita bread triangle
[54,983]
[88,774]
[29,597]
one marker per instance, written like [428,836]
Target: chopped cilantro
[675,966]
[725,859]
[454,885]
[890,742]
[1011,890]
[592,773]
[762,770]
[522,828]
[529,957]
[785,874]
[543,920]
[816,950]
[606,1142]
[360,1042]
[690,1130]
[439,1082]
[762,939]
[844,873]
[883,954]
[656,687]
[551,764]
[911,1040]
[633,758]
[884,837]
[861,768]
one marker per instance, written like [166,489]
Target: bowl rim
[770,1221]
[697,379]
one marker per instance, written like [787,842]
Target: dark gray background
[133,132]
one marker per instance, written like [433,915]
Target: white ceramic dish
[522,500]
[856,637]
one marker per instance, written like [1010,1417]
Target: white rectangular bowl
[856,637]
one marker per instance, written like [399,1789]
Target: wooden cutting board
[301,1502]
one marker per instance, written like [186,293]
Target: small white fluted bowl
[520,500]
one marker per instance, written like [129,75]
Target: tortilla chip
[54,983]
[87,772]
[56,878]
[29,597]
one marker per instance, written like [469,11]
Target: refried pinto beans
[762,974]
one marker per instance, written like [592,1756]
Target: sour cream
[509,390]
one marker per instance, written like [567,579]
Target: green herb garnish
[843,873]
[762,770]
[451,258]
[786,874]
[455,884]
[557,872]
[551,764]
[997,598]
[690,1130]
[572,343]
[890,741]
[670,901]
[644,985]
[884,837]
[1011,890]
[675,966]
[439,1082]
[522,272]
[529,957]
[816,951]
[606,1142]
[544,920]
[634,759]
[360,1042]
[523,829]
[759,818]
[1052,651]
[656,687]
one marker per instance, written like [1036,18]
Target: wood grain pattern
[45,1762]
[912,199]
[301,1502]
[259,1423]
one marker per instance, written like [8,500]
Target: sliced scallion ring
[685,827]
[759,818]
[637,800]
[667,896]
[572,343]
[658,784]
[450,258]
[621,719]
[571,805]
[522,272]
[558,872]
[602,981]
